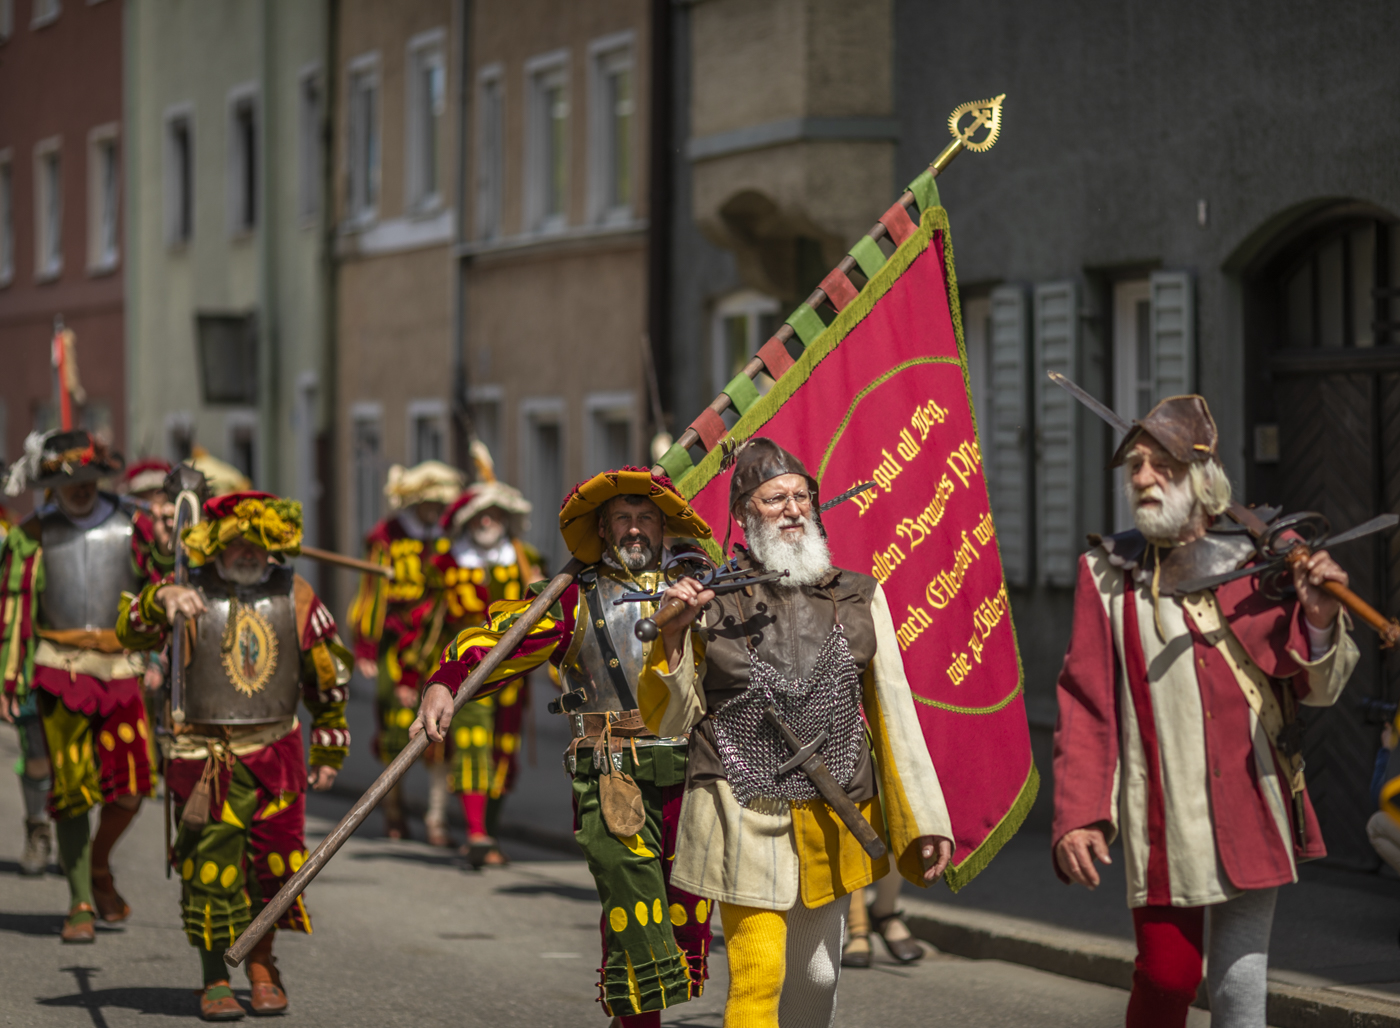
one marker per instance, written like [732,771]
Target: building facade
[396,166]
[228,284]
[554,258]
[61,214]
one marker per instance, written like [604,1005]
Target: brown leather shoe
[110,905]
[906,950]
[268,996]
[217,1003]
[80,926]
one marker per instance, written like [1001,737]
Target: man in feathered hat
[1177,724]
[819,646]
[482,559]
[259,640]
[391,620]
[627,780]
[75,693]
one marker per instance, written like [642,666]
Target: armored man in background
[627,781]
[1177,725]
[818,646]
[260,640]
[63,572]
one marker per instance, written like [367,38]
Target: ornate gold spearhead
[968,122]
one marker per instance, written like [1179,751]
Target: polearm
[387,779]
[355,563]
[984,114]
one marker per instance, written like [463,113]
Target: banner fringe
[959,876]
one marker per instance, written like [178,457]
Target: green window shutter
[1056,327]
[1173,334]
[1008,463]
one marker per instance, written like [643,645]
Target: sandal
[80,931]
[858,952]
[906,950]
[110,906]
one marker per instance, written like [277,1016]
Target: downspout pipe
[661,199]
[269,407]
[462,429]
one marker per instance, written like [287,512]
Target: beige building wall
[556,304]
[393,296]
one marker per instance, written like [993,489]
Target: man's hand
[1319,606]
[180,599]
[367,667]
[321,777]
[406,695]
[1075,854]
[936,851]
[434,713]
[9,708]
[689,592]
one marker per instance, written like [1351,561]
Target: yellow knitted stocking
[756,941]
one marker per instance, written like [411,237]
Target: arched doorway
[1322,308]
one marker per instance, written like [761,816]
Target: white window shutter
[1173,334]
[1010,459]
[1056,323]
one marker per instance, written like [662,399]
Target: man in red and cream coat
[1177,724]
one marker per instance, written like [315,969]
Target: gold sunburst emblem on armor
[253,656]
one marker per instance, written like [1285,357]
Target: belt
[104,640]
[597,729]
[196,741]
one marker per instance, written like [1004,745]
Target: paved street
[403,935]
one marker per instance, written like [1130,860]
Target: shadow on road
[572,892]
[143,1000]
[31,924]
[11,867]
[435,859]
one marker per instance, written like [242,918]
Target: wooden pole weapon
[389,777]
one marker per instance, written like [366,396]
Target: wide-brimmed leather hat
[759,460]
[1181,424]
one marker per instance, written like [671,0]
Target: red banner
[882,396]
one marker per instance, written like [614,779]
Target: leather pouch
[196,812]
[619,796]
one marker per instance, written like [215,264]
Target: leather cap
[1181,424]
[759,460]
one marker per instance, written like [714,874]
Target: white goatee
[805,558]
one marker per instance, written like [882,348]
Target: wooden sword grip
[649,628]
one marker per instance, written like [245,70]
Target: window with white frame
[7,217]
[179,176]
[742,323]
[103,198]
[362,139]
[542,468]
[427,103]
[179,436]
[547,143]
[490,159]
[485,405]
[977,338]
[241,442]
[309,111]
[243,161]
[610,431]
[44,12]
[367,458]
[48,206]
[611,121]
[1132,370]
[427,430]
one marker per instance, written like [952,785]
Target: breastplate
[85,570]
[586,666]
[245,668]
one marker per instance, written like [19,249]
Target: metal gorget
[1215,552]
[86,570]
[826,700]
[245,668]
[589,663]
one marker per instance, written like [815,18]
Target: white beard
[636,556]
[806,559]
[242,574]
[1172,517]
[487,536]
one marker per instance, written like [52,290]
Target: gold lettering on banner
[885,562]
[907,446]
[965,460]
[886,471]
[985,530]
[926,417]
[913,626]
[946,584]
[959,668]
[863,500]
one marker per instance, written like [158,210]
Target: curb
[1108,961]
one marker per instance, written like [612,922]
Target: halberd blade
[1379,523]
[1111,416]
[1210,582]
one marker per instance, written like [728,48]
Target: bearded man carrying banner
[627,779]
[258,639]
[1177,724]
[75,693]
[485,561]
[755,833]
[389,619]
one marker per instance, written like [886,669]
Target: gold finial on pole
[966,123]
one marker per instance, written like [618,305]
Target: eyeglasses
[803,500]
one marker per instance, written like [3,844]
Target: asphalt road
[405,936]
